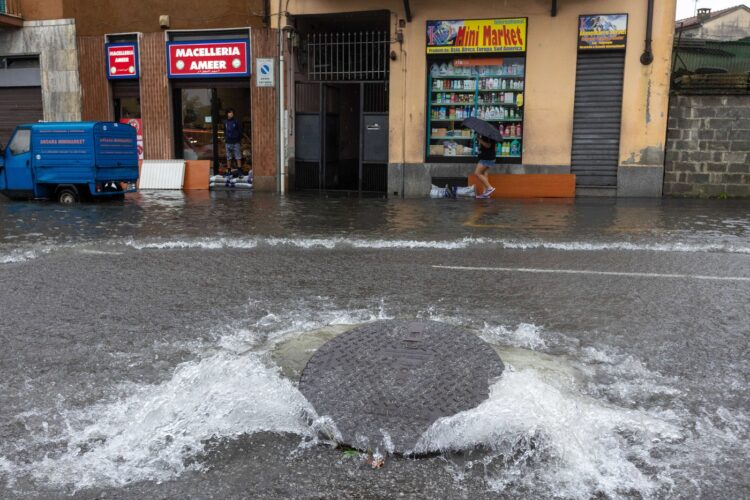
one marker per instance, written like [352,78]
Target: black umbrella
[483,128]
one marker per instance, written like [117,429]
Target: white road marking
[598,273]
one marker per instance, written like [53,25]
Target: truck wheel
[67,196]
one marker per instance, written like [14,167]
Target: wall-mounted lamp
[164,22]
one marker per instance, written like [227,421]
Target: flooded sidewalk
[153,347]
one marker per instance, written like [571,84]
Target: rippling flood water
[152,347]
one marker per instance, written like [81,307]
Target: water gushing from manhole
[385,383]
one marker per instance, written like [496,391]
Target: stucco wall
[550,74]
[55,44]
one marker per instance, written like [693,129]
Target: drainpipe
[648,55]
[266,13]
[280,113]
[407,10]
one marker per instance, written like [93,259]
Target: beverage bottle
[518,131]
[515,148]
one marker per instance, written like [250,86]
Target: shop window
[491,89]
[476,68]
[127,107]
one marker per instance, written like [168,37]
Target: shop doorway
[126,96]
[20,94]
[341,102]
[597,120]
[199,112]
[345,148]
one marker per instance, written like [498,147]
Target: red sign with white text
[122,61]
[137,124]
[208,59]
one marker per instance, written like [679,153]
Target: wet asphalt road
[103,303]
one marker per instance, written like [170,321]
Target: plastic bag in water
[437,192]
[466,192]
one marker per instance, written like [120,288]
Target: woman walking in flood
[487,154]
[487,137]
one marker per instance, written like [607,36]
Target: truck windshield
[21,142]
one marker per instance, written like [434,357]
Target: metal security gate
[341,112]
[19,105]
[597,119]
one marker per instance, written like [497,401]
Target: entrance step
[596,191]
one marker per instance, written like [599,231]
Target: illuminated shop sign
[476,36]
[208,59]
[122,61]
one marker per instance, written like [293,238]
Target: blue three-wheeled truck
[68,162]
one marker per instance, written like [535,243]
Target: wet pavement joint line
[599,273]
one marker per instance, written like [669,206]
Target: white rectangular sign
[264,74]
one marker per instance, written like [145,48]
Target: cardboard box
[437,149]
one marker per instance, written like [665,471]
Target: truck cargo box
[88,158]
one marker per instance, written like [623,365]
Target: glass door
[197,124]
[238,100]
[199,115]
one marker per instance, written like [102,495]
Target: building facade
[172,69]
[723,25]
[377,91]
[38,65]
[364,96]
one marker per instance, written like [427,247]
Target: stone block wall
[708,147]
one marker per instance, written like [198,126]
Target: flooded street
[152,347]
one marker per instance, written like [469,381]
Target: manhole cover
[396,378]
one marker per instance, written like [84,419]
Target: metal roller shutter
[18,105]
[596,122]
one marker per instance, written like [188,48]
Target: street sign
[264,74]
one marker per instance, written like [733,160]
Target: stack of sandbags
[228,182]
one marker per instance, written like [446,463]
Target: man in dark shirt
[232,139]
[487,155]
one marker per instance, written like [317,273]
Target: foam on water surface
[150,434]
[457,244]
[19,254]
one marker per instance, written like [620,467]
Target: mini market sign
[211,59]
[476,36]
